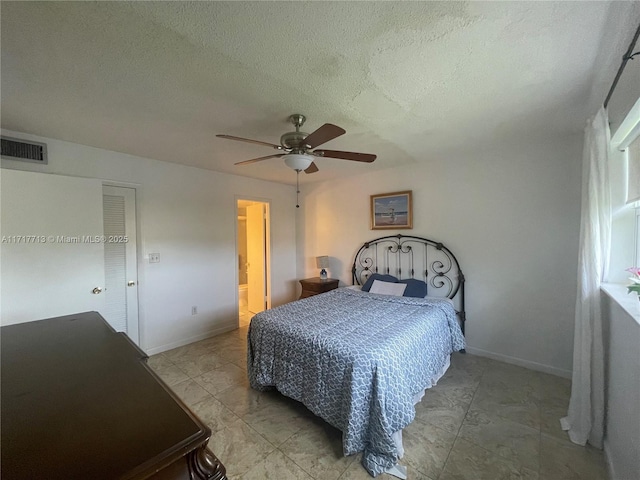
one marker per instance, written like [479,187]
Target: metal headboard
[406,256]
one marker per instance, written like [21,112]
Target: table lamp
[323,263]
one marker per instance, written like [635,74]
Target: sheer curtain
[585,419]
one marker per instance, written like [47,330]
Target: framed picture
[391,211]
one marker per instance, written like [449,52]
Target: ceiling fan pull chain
[297,188]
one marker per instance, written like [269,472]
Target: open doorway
[253,253]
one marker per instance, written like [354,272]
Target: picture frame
[392,211]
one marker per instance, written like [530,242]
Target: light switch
[154,258]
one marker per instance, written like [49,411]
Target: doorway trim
[267,238]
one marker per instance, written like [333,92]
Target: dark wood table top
[79,401]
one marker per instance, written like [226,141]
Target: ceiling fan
[297,146]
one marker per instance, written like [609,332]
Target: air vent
[16,149]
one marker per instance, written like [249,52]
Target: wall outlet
[194,310]
[154,258]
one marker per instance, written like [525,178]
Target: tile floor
[484,420]
[244,316]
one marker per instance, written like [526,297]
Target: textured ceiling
[409,81]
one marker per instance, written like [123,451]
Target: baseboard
[520,362]
[227,327]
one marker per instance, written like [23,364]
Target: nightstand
[316,285]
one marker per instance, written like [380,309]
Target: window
[633,170]
[624,161]
[637,237]
[633,191]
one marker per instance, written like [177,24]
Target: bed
[361,360]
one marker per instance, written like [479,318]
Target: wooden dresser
[317,285]
[80,402]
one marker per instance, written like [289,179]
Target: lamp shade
[322,262]
[298,161]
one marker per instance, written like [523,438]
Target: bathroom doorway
[253,253]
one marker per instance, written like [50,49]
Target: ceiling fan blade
[358,157]
[248,140]
[313,168]
[326,132]
[259,159]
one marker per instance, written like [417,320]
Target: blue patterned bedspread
[355,359]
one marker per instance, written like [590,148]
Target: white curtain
[585,419]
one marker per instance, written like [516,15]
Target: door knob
[130,283]
[96,290]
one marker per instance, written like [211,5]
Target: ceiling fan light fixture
[298,161]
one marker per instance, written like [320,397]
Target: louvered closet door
[120,261]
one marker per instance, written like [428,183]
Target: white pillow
[388,288]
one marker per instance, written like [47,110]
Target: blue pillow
[415,288]
[377,276]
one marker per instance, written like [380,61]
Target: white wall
[511,217]
[622,337]
[188,215]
